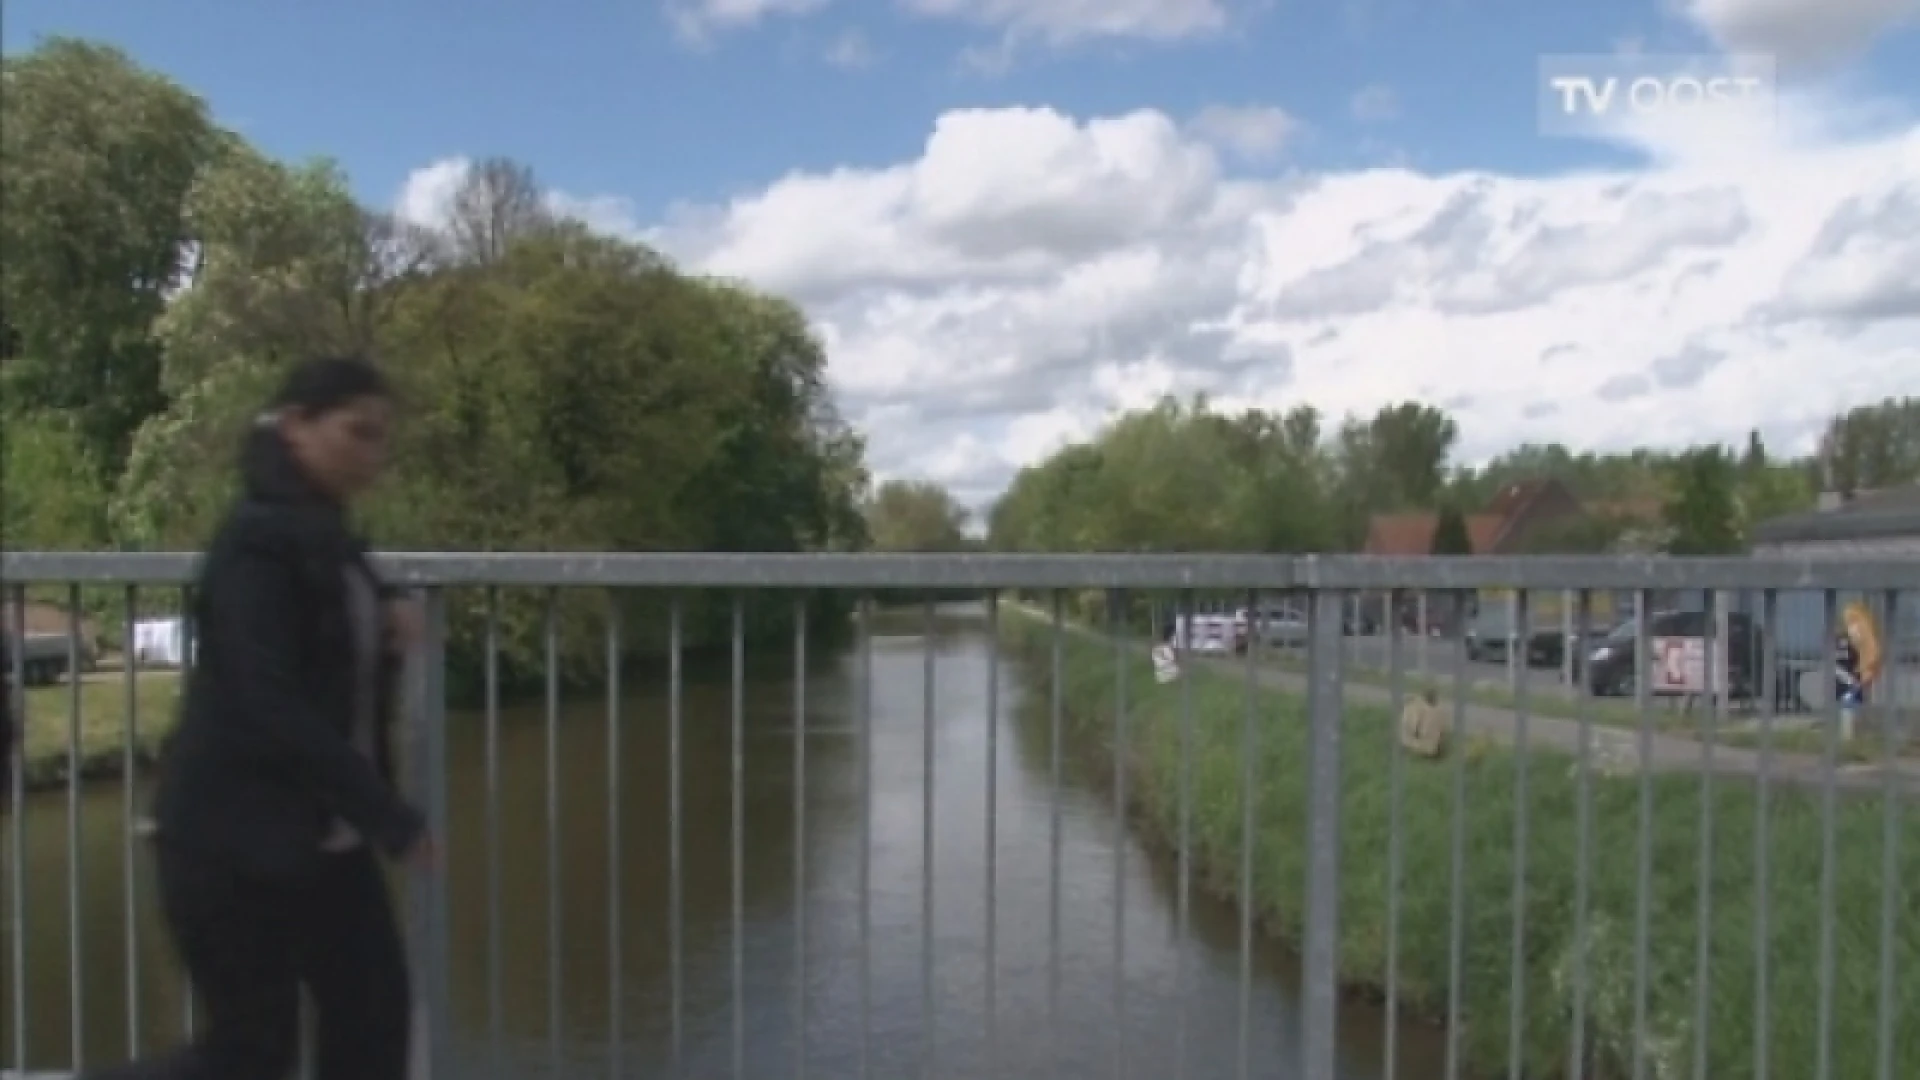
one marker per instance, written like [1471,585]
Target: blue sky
[1223,121]
[607,97]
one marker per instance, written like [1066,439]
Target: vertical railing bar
[1457,861]
[737,818]
[496,914]
[435,991]
[929,1047]
[1321,957]
[991,976]
[1183,913]
[866,721]
[800,906]
[1519,651]
[1892,734]
[1396,775]
[1829,858]
[1055,753]
[1249,776]
[555,940]
[676,855]
[1715,676]
[17,809]
[1643,903]
[1583,841]
[129,811]
[1120,603]
[76,951]
[616,864]
[189,658]
[1762,840]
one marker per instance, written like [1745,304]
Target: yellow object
[1866,640]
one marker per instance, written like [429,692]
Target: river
[1081,1036]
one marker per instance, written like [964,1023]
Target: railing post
[426,758]
[1320,967]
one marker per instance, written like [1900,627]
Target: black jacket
[261,761]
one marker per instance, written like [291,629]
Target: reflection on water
[1118,1001]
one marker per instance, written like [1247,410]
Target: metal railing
[1314,744]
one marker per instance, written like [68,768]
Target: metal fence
[1564,821]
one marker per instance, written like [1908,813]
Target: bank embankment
[89,726]
[1476,793]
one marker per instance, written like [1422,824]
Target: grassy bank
[1552,949]
[48,748]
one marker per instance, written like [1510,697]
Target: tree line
[563,390]
[1183,476]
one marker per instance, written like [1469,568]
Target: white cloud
[1027,273]
[1061,22]
[1800,33]
[1375,103]
[698,20]
[427,196]
[1254,132]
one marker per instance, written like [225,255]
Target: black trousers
[250,946]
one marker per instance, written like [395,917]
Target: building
[1882,524]
[1873,525]
[1513,515]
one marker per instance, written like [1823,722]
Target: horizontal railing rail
[1529,876]
[1020,571]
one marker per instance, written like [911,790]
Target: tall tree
[97,158]
[498,202]
[1410,443]
[1702,508]
[1873,446]
[1450,535]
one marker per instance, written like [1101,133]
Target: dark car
[1490,634]
[1611,667]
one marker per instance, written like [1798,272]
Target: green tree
[1450,535]
[97,158]
[1702,508]
[52,498]
[1410,443]
[916,515]
[1873,446]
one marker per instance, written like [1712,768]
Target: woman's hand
[404,625]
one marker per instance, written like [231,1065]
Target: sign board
[1678,665]
[1166,665]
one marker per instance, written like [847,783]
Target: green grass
[1553,944]
[48,744]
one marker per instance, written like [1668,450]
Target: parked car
[45,657]
[1280,626]
[1490,634]
[1611,666]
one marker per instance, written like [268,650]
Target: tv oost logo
[1600,97]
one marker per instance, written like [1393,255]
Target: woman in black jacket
[278,784]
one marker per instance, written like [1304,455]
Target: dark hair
[322,385]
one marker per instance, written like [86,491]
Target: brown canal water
[1170,982]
